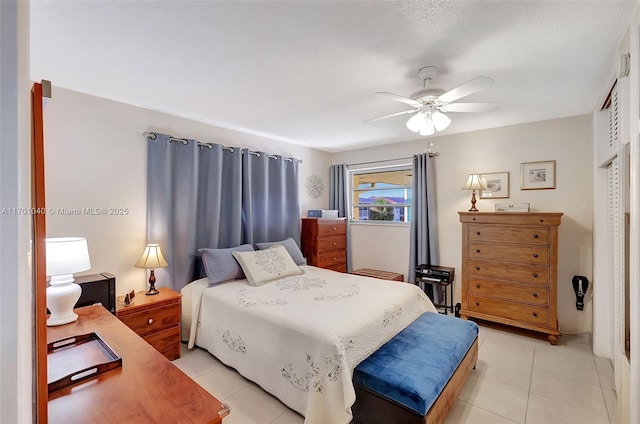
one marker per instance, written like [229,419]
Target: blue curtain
[270,198]
[338,196]
[206,195]
[424,228]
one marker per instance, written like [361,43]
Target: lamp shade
[151,258]
[66,255]
[416,122]
[440,121]
[474,182]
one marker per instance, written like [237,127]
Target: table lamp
[64,256]
[474,182]
[151,258]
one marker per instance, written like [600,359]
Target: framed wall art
[538,175]
[497,185]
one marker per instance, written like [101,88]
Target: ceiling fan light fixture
[427,125]
[415,123]
[440,120]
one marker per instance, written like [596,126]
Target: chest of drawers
[156,319]
[324,242]
[509,269]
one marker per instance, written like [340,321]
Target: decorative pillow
[291,246]
[263,266]
[220,264]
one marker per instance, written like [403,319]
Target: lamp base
[61,298]
[473,202]
[152,285]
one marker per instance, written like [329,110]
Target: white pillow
[267,265]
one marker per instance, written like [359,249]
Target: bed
[301,336]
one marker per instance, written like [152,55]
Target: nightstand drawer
[166,342]
[152,320]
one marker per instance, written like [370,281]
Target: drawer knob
[477,232]
[477,303]
[334,243]
[535,275]
[477,268]
[473,219]
[535,255]
[477,250]
[335,259]
[334,228]
[477,286]
[535,236]
[535,294]
[150,321]
[535,314]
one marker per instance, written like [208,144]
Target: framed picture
[538,175]
[497,185]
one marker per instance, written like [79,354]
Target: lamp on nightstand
[151,258]
[64,256]
[474,182]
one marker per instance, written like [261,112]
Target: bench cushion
[412,368]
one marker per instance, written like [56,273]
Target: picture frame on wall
[497,185]
[538,175]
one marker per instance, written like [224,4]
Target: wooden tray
[78,358]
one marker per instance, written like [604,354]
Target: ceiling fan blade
[404,112]
[469,107]
[401,99]
[465,89]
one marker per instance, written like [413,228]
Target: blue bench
[417,375]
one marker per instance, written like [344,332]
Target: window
[381,194]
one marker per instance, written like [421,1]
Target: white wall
[16,311]
[567,141]
[95,156]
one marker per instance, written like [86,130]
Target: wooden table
[148,388]
[376,273]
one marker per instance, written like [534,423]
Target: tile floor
[518,379]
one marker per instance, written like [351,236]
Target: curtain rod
[431,155]
[153,136]
[428,150]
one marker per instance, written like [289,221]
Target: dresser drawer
[331,227]
[537,295]
[331,258]
[339,267]
[333,242]
[535,255]
[151,320]
[529,235]
[507,271]
[530,314]
[166,342]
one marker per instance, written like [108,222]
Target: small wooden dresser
[156,319]
[509,269]
[324,242]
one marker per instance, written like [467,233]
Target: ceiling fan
[430,103]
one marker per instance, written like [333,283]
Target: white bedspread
[301,337]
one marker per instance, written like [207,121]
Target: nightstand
[156,319]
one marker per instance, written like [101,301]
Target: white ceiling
[306,71]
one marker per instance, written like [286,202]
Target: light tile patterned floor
[518,379]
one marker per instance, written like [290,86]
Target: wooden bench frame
[371,408]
